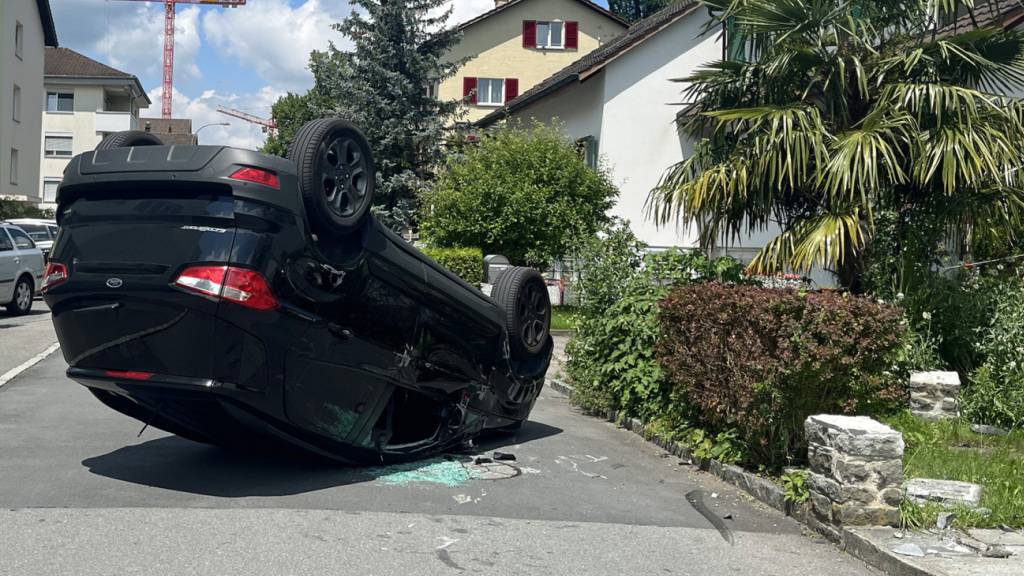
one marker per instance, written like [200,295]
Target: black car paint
[369,330]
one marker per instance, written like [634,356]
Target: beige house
[520,43]
[26,26]
[84,101]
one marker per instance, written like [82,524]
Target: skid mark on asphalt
[572,463]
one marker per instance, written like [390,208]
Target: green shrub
[995,391]
[18,209]
[611,360]
[762,360]
[466,263]
[523,192]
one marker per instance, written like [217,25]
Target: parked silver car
[21,269]
[42,232]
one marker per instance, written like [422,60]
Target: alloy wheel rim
[344,176]
[532,316]
[24,296]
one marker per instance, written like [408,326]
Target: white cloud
[203,110]
[130,36]
[274,39]
[464,10]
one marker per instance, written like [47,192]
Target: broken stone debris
[947,493]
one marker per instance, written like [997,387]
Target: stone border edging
[770,494]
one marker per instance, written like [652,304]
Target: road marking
[14,372]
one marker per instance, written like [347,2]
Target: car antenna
[155,413]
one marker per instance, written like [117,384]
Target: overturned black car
[241,299]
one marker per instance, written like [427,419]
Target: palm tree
[839,110]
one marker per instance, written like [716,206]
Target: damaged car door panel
[241,299]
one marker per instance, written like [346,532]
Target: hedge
[466,263]
[759,361]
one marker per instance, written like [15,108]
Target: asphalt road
[22,337]
[81,493]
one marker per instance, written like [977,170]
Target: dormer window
[551,34]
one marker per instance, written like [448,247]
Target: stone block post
[935,395]
[856,470]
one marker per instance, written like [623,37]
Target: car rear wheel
[21,303]
[523,297]
[337,176]
[127,139]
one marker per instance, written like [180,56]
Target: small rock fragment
[909,549]
[988,430]
[996,552]
[945,519]
[482,460]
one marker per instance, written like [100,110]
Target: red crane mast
[168,65]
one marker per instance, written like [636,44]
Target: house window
[60,102]
[549,35]
[50,190]
[587,149]
[19,39]
[16,104]
[734,45]
[490,91]
[57,147]
[14,165]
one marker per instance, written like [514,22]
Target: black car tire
[523,297]
[127,139]
[337,176]
[20,304]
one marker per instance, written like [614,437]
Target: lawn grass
[948,450]
[564,317]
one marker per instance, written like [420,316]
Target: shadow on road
[173,463]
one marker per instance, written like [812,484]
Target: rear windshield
[37,232]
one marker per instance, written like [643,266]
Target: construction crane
[266,123]
[168,68]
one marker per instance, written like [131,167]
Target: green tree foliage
[381,85]
[290,112]
[841,110]
[18,209]
[633,10]
[523,192]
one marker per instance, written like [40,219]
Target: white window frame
[56,183]
[490,83]
[19,39]
[16,104]
[544,42]
[58,94]
[68,137]
[14,166]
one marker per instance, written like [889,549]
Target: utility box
[494,265]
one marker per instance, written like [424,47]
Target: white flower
[899,296]
[926,315]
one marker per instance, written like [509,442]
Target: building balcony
[115,121]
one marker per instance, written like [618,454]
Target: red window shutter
[572,35]
[529,33]
[469,88]
[511,89]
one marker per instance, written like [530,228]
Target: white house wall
[639,138]
[27,73]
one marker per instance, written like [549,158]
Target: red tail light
[257,176]
[244,287]
[56,273]
[128,374]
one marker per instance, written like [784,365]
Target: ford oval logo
[114,282]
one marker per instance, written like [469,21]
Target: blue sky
[243,57]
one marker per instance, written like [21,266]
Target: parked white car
[21,269]
[42,232]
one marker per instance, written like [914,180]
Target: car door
[8,267]
[28,257]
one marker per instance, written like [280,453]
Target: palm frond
[825,240]
[869,158]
